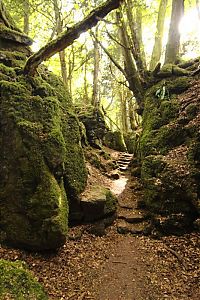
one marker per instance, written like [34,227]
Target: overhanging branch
[69,36]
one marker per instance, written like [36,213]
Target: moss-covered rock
[169,152]
[42,165]
[169,187]
[94,123]
[16,282]
[131,140]
[115,140]
[97,203]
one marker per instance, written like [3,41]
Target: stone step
[123,161]
[121,168]
[122,164]
[126,154]
[124,227]
[131,216]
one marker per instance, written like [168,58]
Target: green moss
[192,110]
[178,85]
[157,136]
[115,141]
[111,203]
[164,191]
[7,71]
[41,161]
[16,282]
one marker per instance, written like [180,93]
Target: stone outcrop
[115,140]
[42,168]
[94,123]
[169,152]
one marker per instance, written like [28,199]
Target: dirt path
[125,275]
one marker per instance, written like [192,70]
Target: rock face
[94,123]
[169,152]
[42,166]
[115,140]
[98,203]
[16,282]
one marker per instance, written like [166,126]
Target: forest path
[126,275]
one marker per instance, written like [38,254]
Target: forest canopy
[109,65]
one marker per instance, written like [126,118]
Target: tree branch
[110,56]
[68,37]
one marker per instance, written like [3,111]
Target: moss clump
[16,282]
[192,110]
[8,71]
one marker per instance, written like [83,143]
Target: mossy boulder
[42,168]
[17,282]
[97,203]
[115,140]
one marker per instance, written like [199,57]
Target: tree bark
[26,5]
[95,94]
[124,121]
[132,75]
[198,8]
[157,49]
[173,45]
[136,49]
[68,37]
[59,29]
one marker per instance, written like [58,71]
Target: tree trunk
[139,35]
[69,36]
[198,8]
[86,98]
[136,50]
[157,49]
[95,94]
[26,5]
[123,111]
[173,45]
[132,75]
[59,30]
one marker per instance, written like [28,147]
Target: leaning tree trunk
[173,45]
[157,49]
[69,36]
